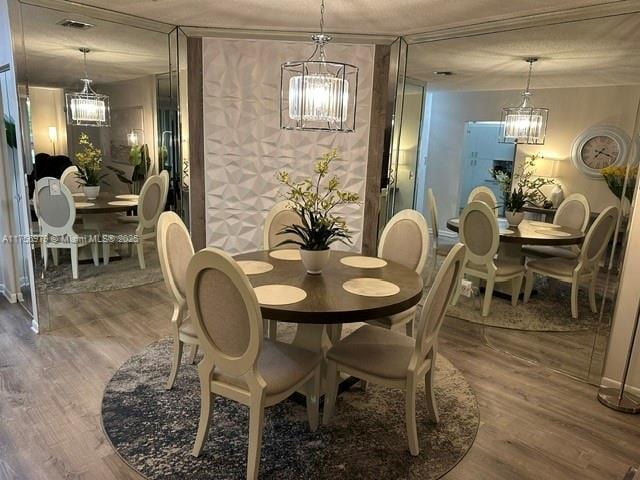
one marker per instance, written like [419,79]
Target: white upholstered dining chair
[404,240]
[69,179]
[582,269]
[280,216]
[573,212]
[394,360]
[479,231]
[164,176]
[150,205]
[175,251]
[239,363]
[486,195]
[56,214]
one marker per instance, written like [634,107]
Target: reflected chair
[70,179]
[175,250]
[486,195]
[56,214]
[578,270]
[404,240]
[239,363]
[150,204]
[164,176]
[281,215]
[394,360]
[480,233]
[573,213]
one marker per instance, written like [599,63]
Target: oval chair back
[280,216]
[433,211]
[150,203]
[225,310]
[164,176]
[56,213]
[70,179]
[175,250]
[486,195]
[479,232]
[573,212]
[405,240]
[597,238]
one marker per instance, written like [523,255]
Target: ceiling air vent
[75,24]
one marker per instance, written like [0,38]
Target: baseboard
[12,297]
[610,383]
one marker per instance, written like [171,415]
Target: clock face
[600,151]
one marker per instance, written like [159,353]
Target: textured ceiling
[602,51]
[389,17]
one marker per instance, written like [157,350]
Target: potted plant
[89,163]
[315,202]
[141,162]
[615,178]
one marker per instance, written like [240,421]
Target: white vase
[314,260]
[557,196]
[514,218]
[91,192]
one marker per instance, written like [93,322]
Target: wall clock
[599,147]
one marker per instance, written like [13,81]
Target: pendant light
[87,108]
[524,123]
[317,94]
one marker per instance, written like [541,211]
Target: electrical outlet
[466,288]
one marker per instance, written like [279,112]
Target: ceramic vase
[315,260]
[91,192]
[514,218]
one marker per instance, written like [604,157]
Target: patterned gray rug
[153,430]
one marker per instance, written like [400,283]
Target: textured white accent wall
[245,147]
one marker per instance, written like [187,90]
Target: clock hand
[602,152]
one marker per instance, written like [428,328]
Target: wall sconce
[53,137]
[134,137]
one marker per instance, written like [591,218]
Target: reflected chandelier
[316,94]
[87,108]
[524,123]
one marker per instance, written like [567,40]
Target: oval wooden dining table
[105,203]
[327,305]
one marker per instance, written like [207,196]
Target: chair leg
[192,355]
[410,417]
[206,409]
[331,393]
[273,329]
[178,347]
[313,400]
[528,286]
[140,252]
[488,295]
[432,407]
[516,286]
[94,253]
[592,294]
[575,287]
[55,255]
[106,252]
[74,261]
[409,328]
[456,295]
[45,256]
[256,425]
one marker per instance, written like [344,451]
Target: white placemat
[254,267]
[286,254]
[77,194]
[370,287]
[123,203]
[505,231]
[84,204]
[128,196]
[363,262]
[554,233]
[279,294]
[543,224]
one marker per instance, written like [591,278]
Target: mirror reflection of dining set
[68,219]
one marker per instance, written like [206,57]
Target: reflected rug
[153,430]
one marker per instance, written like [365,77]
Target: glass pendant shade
[87,108]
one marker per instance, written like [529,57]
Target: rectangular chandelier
[87,108]
[524,125]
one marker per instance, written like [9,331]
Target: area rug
[153,430]
[120,273]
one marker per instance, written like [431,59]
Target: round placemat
[543,224]
[84,204]
[279,294]
[554,233]
[77,194]
[123,203]
[286,254]
[370,287]
[128,196]
[253,267]
[363,262]
[506,231]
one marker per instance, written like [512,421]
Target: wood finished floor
[535,424]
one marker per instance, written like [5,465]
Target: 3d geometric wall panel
[245,147]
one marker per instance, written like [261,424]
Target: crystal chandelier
[524,123]
[87,108]
[317,94]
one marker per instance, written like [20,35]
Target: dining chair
[164,176]
[56,212]
[486,195]
[479,231]
[574,212]
[175,250]
[280,216]
[404,240]
[69,179]
[150,205]
[578,270]
[239,363]
[394,360]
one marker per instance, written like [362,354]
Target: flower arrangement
[89,163]
[614,176]
[315,202]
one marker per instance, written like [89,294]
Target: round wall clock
[599,147]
